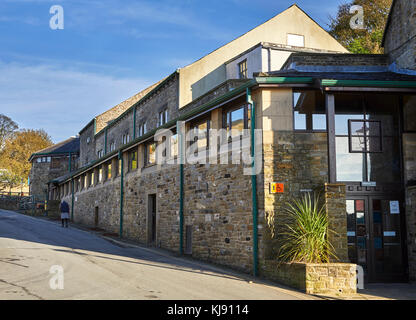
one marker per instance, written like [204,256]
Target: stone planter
[314,278]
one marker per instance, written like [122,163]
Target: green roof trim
[368,83]
[284,80]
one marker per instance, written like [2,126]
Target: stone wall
[335,200]
[217,208]
[400,40]
[87,145]
[43,172]
[324,278]
[411,230]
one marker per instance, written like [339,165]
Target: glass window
[142,129]
[109,171]
[100,174]
[174,143]
[150,153]
[242,70]
[200,134]
[133,160]
[369,124]
[309,110]
[236,119]
[409,113]
[119,167]
[163,117]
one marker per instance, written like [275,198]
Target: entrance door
[375,241]
[151,221]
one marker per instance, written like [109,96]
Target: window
[142,129]
[174,143]
[242,70]
[88,140]
[85,181]
[235,120]
[100,153]
[100,174]
[126,138]
[367,138]
[119,167]
[295,40]
[92,179]
[109,173]
[38,160]
[112,146]
[364,136]
[309,110]
[200,134]
[150,153]
[163,117]
[133,160]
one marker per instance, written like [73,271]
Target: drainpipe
[253,183]
[181,184]
[120,157]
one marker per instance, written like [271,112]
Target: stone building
[326,121]
[50,163]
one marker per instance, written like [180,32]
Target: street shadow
[69,240]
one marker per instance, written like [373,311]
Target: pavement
[98,265]
[40,260]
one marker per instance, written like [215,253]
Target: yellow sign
[277,187]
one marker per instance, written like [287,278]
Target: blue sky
[109,50]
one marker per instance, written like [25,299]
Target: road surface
[41,260]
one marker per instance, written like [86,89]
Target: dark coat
[64,207]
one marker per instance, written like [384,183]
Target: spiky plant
[306,238]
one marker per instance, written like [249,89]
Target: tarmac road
[94,268]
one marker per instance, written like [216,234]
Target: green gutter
[254,183]
[120,157]
[284,80]
[368,83]
[181,188]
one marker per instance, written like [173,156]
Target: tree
[7,128]
[366,40]
[8,180]
[18,149]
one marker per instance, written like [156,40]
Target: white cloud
[61,101]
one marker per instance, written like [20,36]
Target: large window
[150,153]
[367,138]
[133,160]
[126,138]
[200,134]
[236,119]
[309,110]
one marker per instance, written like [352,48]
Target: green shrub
[306,238]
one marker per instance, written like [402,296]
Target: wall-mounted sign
[394,207]
[276,187]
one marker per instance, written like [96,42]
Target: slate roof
[377,76]
[69,145]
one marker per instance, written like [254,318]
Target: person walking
[64,213]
